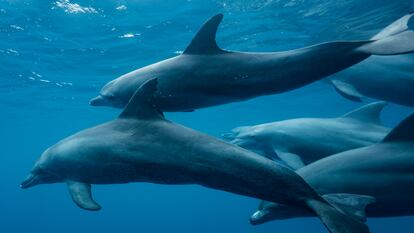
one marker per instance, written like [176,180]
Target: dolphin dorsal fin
[369,113]
[204,41]
[403,131]
[142,104]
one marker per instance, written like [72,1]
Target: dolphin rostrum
[206,75]
[379,177]
[301,141]
[141,146]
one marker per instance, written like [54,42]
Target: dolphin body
[384,78]
[301,141]
[206,75]
[382,173]
[141,146]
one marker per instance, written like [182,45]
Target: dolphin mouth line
[30,181]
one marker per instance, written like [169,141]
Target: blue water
[56,55]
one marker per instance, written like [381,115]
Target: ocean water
[56,55]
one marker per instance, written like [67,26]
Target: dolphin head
[41,173]
[119,91]
[110,95]
[38,176]
[269,211]
[237,134]
[248,137]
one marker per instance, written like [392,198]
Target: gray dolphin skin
[206,75]
[382,173]
[141,146]
[385,78]
[301,141]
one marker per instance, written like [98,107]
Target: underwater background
[56,55]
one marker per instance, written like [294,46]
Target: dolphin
[141,146]
[205,75]
[297,142]
[380,176]
[384,78]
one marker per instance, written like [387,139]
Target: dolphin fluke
[334,220]
[397,38]
[352,204]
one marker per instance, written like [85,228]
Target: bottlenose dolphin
[304,140]
[206,75]
[384,171]
[385,78]
[141,146]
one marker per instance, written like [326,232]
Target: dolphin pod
[298,142]
[141,146]
[378,177]
[206,75]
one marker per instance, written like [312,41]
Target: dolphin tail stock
[334,220]
[397,38]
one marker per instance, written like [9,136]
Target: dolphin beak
[97,101]
[257,217]
[30,181]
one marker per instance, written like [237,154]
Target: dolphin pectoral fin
[292,160]
[142,104]
[204,42]
[347,90]
[81,195]
[351,204]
